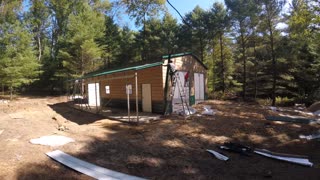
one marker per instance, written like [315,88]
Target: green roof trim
[185,54]
[123,69]
[176,55]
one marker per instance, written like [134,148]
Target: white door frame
[198,87]
[93,94]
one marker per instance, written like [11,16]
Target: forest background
[254,49]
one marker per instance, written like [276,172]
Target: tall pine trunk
[274,65]
[11,92]
[222,62]
[244,59]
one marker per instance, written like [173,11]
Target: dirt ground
[172,148]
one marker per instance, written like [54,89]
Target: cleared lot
[171,148]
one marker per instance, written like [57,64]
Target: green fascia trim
[185,54]
[124,69]
[176,55]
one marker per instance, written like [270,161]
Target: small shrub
[265,102]
[284,101]
[216,95]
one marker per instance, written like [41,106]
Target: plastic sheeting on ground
[208,111]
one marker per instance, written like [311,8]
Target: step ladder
[177,83]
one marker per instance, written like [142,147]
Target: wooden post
[95,88]
[80,96]
[128,99]
[68,91]
[136,84]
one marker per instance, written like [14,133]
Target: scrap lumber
[88,168]
[290,119]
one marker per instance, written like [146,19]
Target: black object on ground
[238,148]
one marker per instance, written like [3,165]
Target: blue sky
[183,6]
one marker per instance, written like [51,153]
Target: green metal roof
[123,69]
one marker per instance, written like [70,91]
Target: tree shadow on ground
[175,149]
[77,116]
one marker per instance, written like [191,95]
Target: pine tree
[82,53]
[303,49]
[18,64]
[196,21]
[241,12]
[219,24]
[141,10]
[271,15]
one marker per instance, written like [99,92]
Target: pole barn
[147,87]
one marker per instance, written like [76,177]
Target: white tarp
[208,111]
[53,140]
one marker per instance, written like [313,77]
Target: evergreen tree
[169,34]
[241,12]
[18,64]
[141,10]
[111,42]
[303,48]
[82,53]
[38,21]
[196,21]
[271,17]
[219,25]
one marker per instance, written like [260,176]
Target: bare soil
[172,148]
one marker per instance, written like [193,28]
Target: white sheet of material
[208,111]
[218,155]
[53,140]
[317,113]
[301,161]
[310,137]
[88,168]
